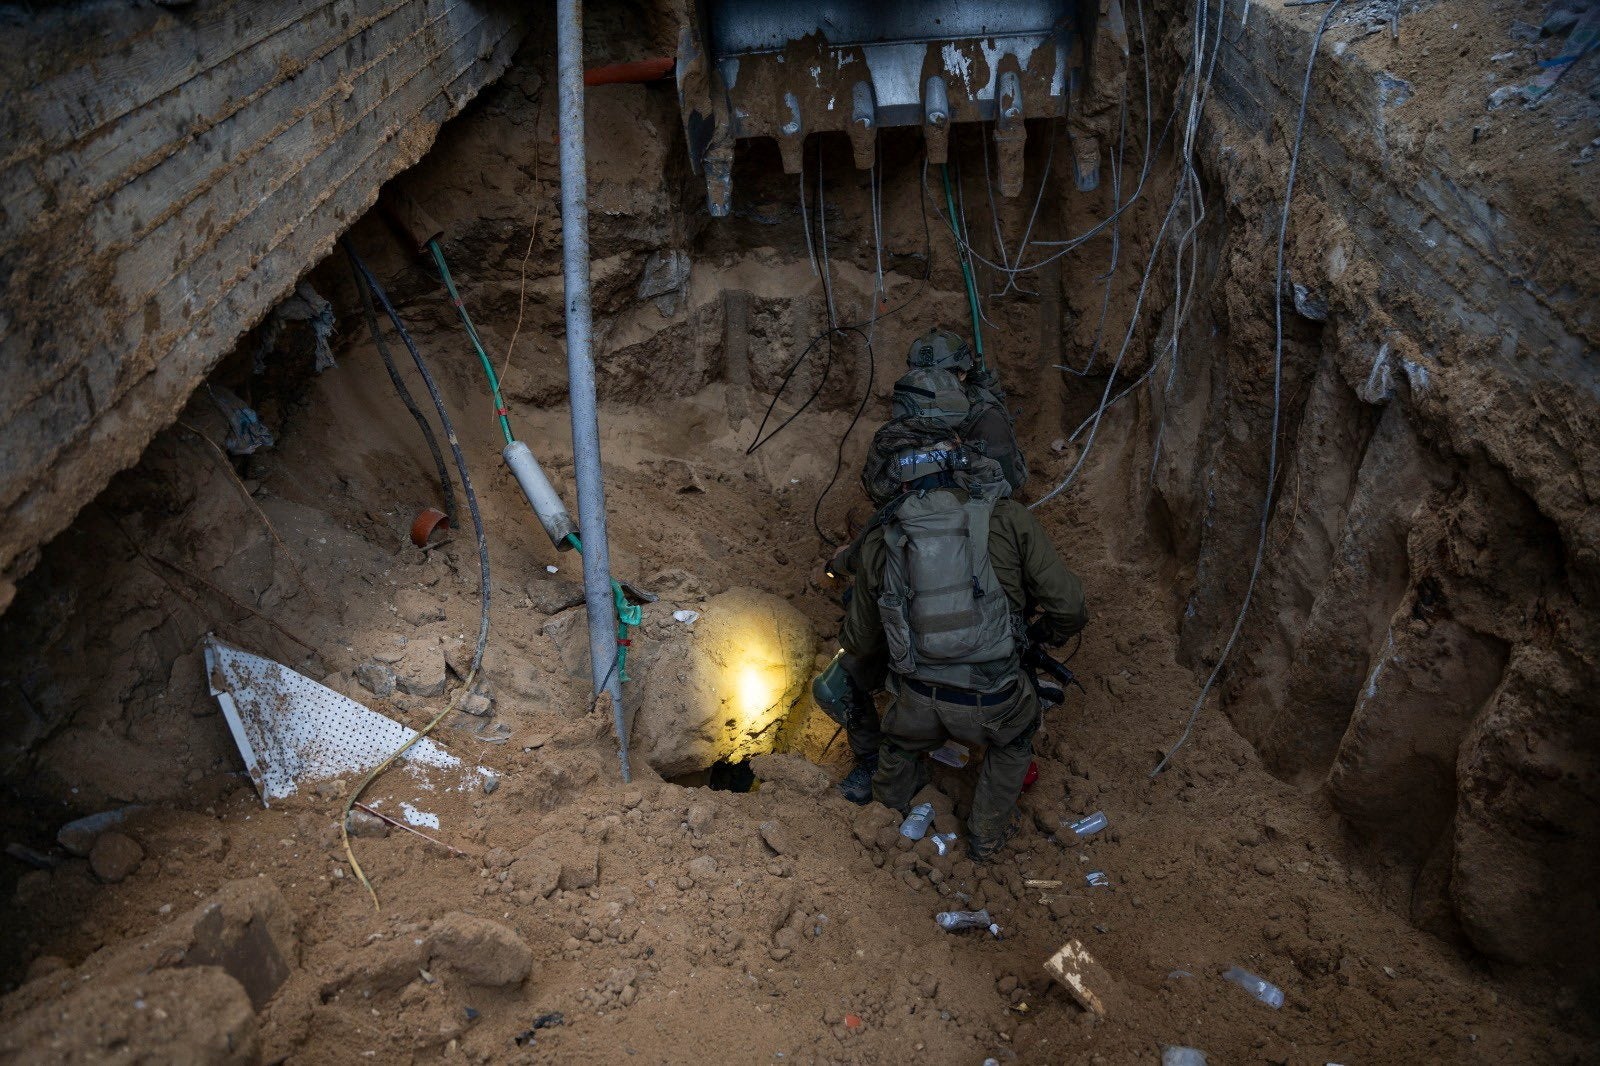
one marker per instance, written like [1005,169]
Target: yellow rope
[349,804]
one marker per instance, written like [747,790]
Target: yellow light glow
[756,690]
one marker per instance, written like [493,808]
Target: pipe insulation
[542,496]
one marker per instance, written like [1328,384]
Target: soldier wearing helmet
[987,426]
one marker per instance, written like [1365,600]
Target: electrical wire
[1277,394]
[484,586]
[762,436]
[1186,191]
[1111,379]
[500,409]
[446,486]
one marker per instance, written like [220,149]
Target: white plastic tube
[542,496]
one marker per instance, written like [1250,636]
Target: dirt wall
[1422,644]
[168,172]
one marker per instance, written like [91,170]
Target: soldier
[988,426]
[940,591]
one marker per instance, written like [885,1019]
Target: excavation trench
[1350,817]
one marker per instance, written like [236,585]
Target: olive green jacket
[1025,562]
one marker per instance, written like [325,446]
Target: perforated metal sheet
[292,730]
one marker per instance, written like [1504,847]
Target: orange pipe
[642,70]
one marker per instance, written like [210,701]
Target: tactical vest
[943,608]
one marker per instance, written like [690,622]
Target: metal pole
[580,368]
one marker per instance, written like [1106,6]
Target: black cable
[855,327]
[838,461]
[376,290]
[446,486]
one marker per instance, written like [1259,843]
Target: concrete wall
[166,173]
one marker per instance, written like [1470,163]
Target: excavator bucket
[785,69]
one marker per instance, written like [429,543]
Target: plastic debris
[292,731]
[688,618]
[1034,882]
[1098,879]
[955,921]
[1182,1056]
[917,823]
[78,836]
[1263,990]
[944,843]
[1087,827]
[543,1021]
[552,570]
[954,753]
[246,434]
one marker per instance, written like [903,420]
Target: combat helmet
[928,393]
[940,349]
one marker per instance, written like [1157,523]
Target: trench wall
[1422,644]
[167,172]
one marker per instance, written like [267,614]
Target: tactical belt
[961,696]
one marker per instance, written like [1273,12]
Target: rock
[703,868]
[497,858]
[44,966]
[774,836]
[582,870]
[477,704]
[242,937]
[700,817]
[553,595]
[792,772]
[869,820]
[421,671]
[362,824]
[418,607]
[115,856]
[198,1015]
[1266,866]
[536,871]
[376,678]
[481,951]
[720,689]
[78,836]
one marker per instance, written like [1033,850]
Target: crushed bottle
[1172,1055]
[1263,990]
[944,843]
[917,823]
[953,921]
[1097,879]
[1086,827]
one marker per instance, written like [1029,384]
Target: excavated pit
[1387,808]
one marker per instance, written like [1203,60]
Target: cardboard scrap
[1084,979]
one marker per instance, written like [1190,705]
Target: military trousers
[916,723]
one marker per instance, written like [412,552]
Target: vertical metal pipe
[580,368]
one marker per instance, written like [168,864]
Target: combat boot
[857,784]
[985,849]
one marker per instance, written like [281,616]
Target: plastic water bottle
[952,921]
[1259,987]
[916,825]
[1089,826]
[1182,1056]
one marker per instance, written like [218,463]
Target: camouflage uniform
[922,717]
